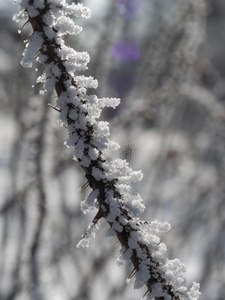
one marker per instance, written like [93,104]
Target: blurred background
[166,61]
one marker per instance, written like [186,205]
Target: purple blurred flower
[125,50]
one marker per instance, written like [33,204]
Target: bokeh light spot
[129,8]
[125,50]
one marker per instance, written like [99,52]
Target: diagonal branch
[109,179]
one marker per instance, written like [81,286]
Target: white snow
[66,26]
[31,50]
[90,202]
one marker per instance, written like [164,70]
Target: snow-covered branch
[109,179]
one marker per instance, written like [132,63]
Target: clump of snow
[142,276]
[194,293]
[20,16]
[77,10]
[97,174]
[32,47]
[24,4]
[65,25]
[124,256]
[88,236]
[87,82]
[39,4]
[90,202]
[32,11]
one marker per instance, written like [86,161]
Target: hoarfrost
[20,16]
[110,102]
[32,11]
[24,3]
[97,174]
[116,225]
[87,82]
[48,19]
[90,202]
[102,128]
[77,10]
[65,25]
[88,236]
[39,4]
[31,50]
[194,293]
[49,32]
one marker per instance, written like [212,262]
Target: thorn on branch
[36,56]
[26,23]
[145,294]
[55,107]
[84,186]
[27,40]
[36,84]
[98,216]
[133,272]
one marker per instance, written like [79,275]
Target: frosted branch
[109,179]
